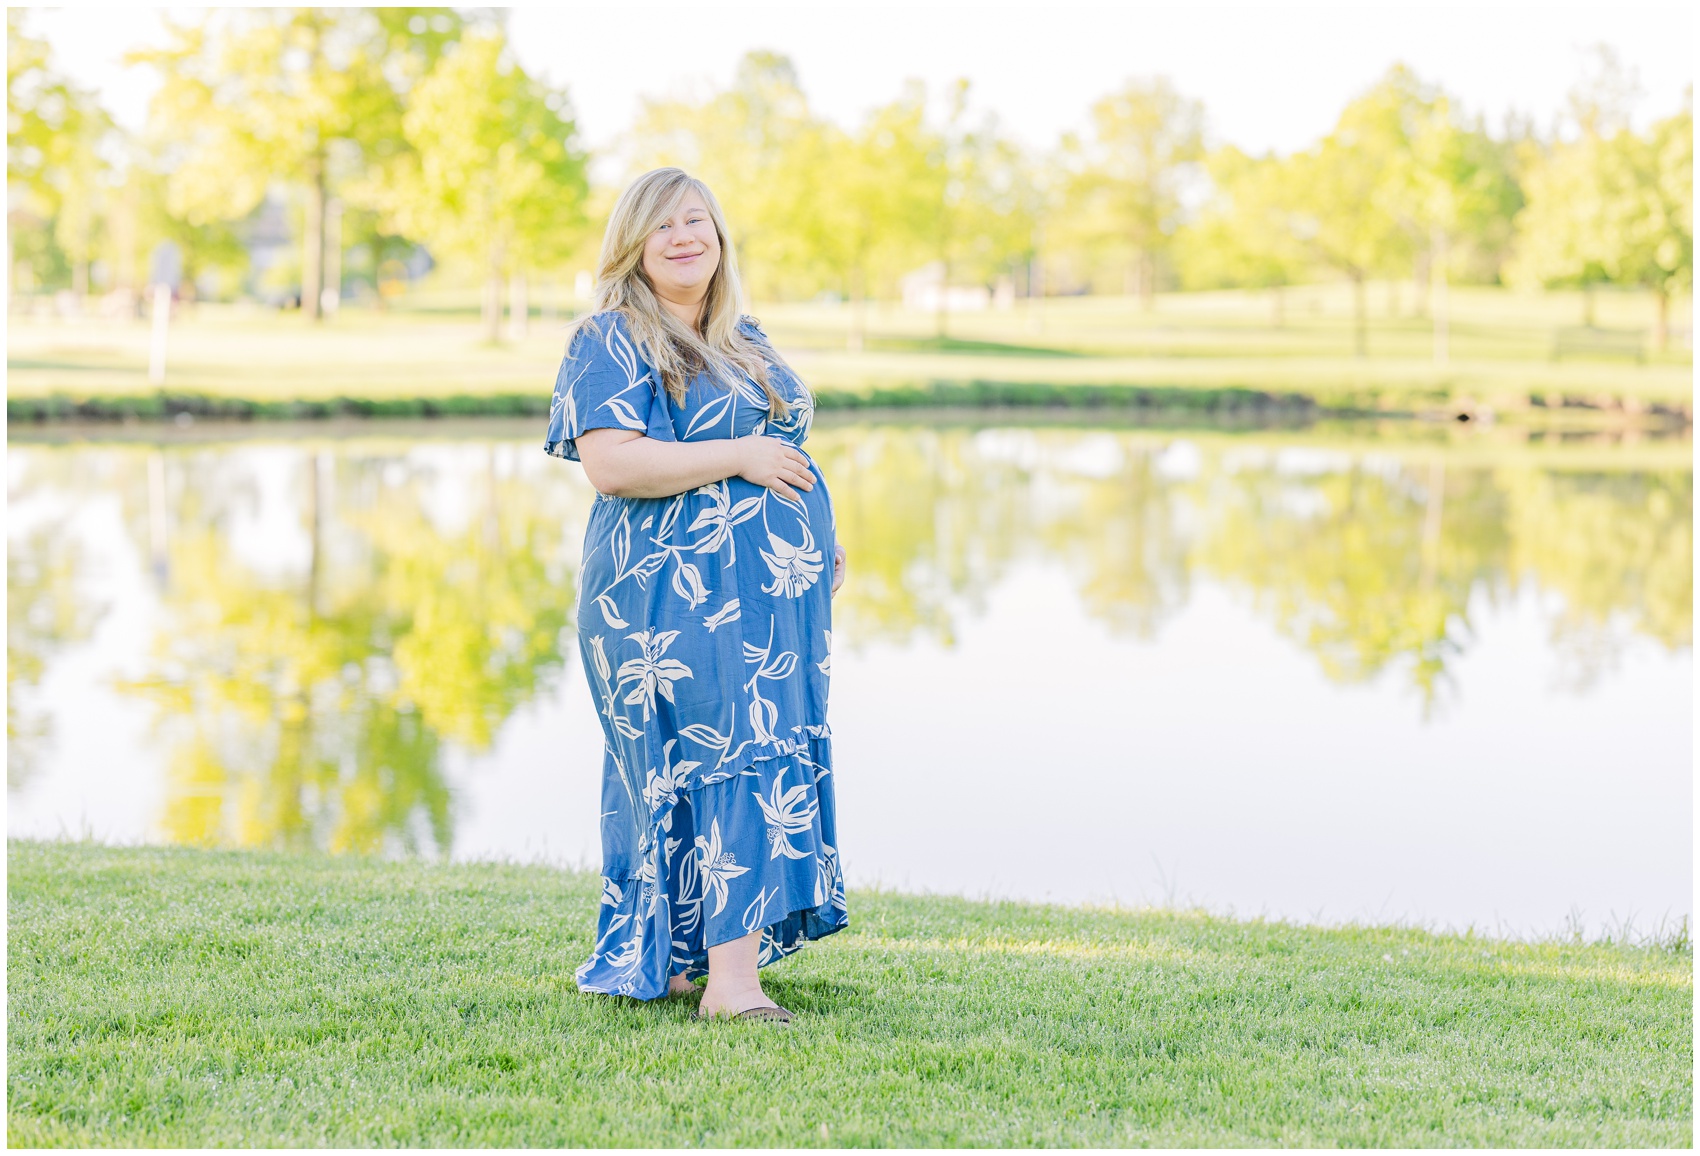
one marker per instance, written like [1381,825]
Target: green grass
[1193,351]
[176,997]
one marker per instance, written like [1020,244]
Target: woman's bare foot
[719,1002]
[733,986]
[679,985]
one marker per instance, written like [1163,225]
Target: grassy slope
[182,997]
[1190,342]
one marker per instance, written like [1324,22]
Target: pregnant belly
[730,539]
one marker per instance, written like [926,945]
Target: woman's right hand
[776,464]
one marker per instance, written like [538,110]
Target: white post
[1437,290]
[330,296]
[161,323]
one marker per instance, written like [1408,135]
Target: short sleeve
[604,384]
[781,376]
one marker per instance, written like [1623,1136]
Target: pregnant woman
[703,621]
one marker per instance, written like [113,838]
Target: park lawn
[1190,344]
[179,997]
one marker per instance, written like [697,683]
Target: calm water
[1410,676]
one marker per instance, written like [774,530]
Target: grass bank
[1197,353]
[174,997]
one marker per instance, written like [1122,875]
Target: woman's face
[682,254]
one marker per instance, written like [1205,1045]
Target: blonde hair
[677,352]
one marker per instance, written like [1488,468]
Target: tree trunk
[1146,272]
[123,243]
[1661,319]
[1422,275]
[940,321]
[1360,314]
[519,306]
[1588,304]
[1277,307]
[1437,279]
[491,313]
[313,239]
[330,297]
[858,338]
[1036,292]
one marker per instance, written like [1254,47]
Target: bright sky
[1270,75]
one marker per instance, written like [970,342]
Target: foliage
[421,123]
[495,172]
[1245,235]
[58,146]
[1125,182]
[307,97]
[1613,206]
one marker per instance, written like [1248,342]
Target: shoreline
[1666,935]
[1233,405]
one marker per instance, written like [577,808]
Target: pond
[1394,674]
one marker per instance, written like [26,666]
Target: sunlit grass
[173,997]
[1499,351]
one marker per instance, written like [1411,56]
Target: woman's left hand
[838,562]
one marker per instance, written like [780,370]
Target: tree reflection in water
[335,618]
[1368,559]
[310,706]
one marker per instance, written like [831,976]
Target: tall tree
[1244,236]
[985,216]
[302,96]
[1614,206]
[1464,196]
[495,172]
[1130,176]
[58,156]
[1351,198]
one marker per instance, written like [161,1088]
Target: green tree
[984,218]
[495,173]
[1614,206]
[59,145]
[1127,180]
[881,197]
[1465,197]
[1352,197]
[1244,236]
[304,96]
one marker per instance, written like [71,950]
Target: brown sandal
[771,1015]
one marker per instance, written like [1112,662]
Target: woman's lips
[686,257]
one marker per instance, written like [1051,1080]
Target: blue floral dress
[705,626]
